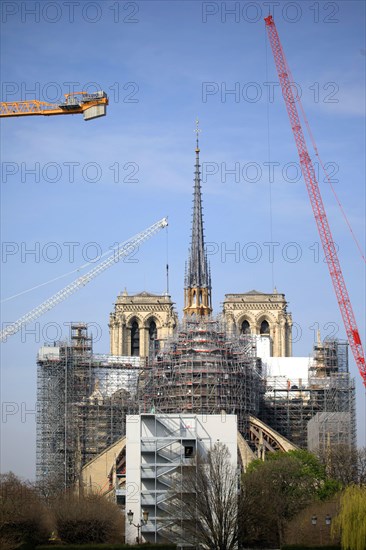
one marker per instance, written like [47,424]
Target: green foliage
[275,490]
[351,520]
[309,468]
[310,463]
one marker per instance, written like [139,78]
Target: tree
[361,466]
[351,520]
[23,518]
[275,490]
[87,519]
[202,507]
[345,464]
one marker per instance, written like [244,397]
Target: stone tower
[263,315]
[197,287]
[141,323]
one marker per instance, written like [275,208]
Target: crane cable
[77,270]
[167,259]
[312,139]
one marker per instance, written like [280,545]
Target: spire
[197,277]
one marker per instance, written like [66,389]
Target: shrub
[23,518]
[144,546]
[88,519]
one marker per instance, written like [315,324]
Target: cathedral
[238,363]
[141,323]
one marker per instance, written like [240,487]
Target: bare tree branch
[203,506]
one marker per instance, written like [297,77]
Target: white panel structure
[292,370]
[158,445]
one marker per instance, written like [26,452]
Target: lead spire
[198,279]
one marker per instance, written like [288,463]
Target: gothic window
[153,341]
[245,327]
[200,298]
[135,339]
[264,328]
[194,297]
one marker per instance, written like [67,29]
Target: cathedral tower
[197,291]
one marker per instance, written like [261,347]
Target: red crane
[316,200]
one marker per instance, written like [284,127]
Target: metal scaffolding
[83,400]
[205,370]
[330,389]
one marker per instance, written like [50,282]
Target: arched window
[153,342]
[200,303]
[264,327]
[245,327]
[194,297]
[135,339]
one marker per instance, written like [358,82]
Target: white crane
[122,250]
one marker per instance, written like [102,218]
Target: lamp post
[328,521]
[314,521]
[144,519]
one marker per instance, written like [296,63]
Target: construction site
[329,389]
[205,370]
[84,398]
[238,363]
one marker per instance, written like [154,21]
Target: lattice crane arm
[90,105]
[316,200]
[121,251]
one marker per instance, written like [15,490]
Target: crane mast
[316,200]
[121,251]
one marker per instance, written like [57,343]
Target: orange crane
[90,105]
[316,200]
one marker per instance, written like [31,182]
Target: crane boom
[90,105]
[316,200]
[122,250]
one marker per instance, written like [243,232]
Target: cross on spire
[197,132]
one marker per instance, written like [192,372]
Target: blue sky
[162,65]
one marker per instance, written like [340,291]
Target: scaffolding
[83,400]
[330,429]
[288,408]
[205,370]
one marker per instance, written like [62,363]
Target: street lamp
[328,521]
[144,519]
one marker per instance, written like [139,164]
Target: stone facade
[141,323]
[262,314]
